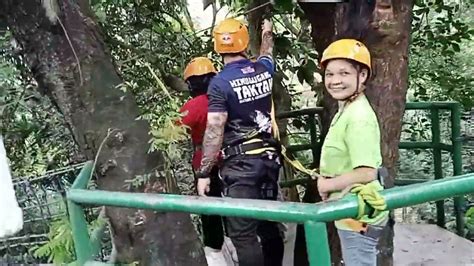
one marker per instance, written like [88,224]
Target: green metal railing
[435,144]
[313,216]
[455,149]
[309,114]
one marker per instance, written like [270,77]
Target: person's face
[340,78]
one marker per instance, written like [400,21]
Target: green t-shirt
[353,140]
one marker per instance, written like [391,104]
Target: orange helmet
[347,49]
[230,36]
[199,66]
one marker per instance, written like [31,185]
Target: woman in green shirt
[351,151]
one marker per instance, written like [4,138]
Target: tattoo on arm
[213,138]
[266,48]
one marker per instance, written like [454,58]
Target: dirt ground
[428,244]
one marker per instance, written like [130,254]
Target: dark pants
[253,177]
[212,225]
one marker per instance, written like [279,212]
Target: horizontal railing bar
[415,145]
[304,181]
[403,145]
[294,182]
[424,145]
[272,210]
[406,181]
[408,106]
[300,112]
[299,147]
[446,147]
[429,105]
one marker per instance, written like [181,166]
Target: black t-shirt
[243,89]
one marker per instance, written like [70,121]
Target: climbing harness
[249,147]
[257,145]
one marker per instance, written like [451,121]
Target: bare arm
[361,175]
[213,138]
[345,182]
[266,48]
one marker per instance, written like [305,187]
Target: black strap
[382,174]
[243,148]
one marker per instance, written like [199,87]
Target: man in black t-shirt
[239,123]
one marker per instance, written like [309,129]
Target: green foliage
[137,181]
[294,49]
[35,134]
[138,36]
[440,67]
[149,49]
[60,247]
[470,222]
[440,62]
[419,164]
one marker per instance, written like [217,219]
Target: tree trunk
[68,58]
[384,26]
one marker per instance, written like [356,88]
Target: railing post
[80,234]
[317,244]
[314,140]
[457,162]
[437,161]
[77,218]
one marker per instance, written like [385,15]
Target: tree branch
[174,82]
[188,17]
[206,3]
[289,26]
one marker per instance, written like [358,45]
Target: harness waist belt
[244,147]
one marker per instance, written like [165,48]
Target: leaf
[307,71]
[282,46]
[301,75]
[456,47]
[298,123]
[311,65]
[313,55]
[284,5]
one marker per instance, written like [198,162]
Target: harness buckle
[239,149]
[224,155]
[382,174]
[230,151]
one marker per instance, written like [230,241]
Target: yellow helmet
[230,36]
[199,66]
[347,49]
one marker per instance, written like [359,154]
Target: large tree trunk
[73,67]
[384,26]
